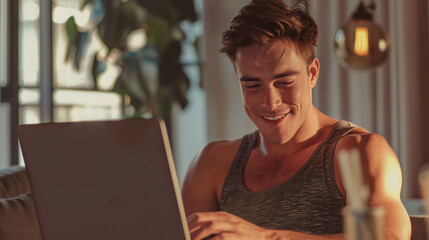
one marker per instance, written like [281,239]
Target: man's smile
[274,119]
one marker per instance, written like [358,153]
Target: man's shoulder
[360,137]
[221,146]
[217,152]
[373,147]
[207,171]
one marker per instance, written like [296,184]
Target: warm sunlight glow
[61,14]
[82,18]
[394,179]
[361,41]
[30,11]
[136,40]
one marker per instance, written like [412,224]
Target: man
[283,181]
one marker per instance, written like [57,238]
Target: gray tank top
[308,202]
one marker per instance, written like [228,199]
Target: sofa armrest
[13,182]
[18,219]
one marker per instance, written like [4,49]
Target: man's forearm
[286,235]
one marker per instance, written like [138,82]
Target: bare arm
[383,175]
[198,190]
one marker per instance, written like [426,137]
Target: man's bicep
[382,173]
[383,169]
[386,181]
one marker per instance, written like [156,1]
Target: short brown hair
[262,21]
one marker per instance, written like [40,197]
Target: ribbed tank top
[308,202]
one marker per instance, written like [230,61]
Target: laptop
[104,180]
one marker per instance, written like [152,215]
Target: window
[74,97]
[3,43]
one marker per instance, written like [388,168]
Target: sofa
[18,218]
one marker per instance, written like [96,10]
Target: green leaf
[71,30]
[133,77]
[162,9]
[174,83]
[118,22]
[119,86]
[76,42]
[181,88]
[176,92]
[169,65]
[159,33]
[98,67]
[71,27]
[81,39]
[110,4]
[122,87]
[186,9]
[136,83]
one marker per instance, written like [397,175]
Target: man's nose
[272,99]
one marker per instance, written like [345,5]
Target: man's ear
[314,72]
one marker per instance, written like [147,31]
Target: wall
[189,126]
[4,135]
[225,113]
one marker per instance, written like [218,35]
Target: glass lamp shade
[361,44]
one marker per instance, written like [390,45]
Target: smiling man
[283,180]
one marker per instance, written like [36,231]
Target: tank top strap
[326,155]
[339,130]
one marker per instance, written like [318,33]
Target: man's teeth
[275,118]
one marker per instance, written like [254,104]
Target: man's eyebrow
[249,79]
[285,74]
[277,76]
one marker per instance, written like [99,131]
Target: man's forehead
[269,54]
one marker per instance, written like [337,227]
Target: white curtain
[389,100]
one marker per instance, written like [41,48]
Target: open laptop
[104,180]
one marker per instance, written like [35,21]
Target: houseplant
[151,77]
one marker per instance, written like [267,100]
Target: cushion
[13,182]
[18,219]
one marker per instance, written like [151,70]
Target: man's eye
[252,86]
[284,83]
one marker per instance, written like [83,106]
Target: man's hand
[223,225]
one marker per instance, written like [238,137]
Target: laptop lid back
[103,180]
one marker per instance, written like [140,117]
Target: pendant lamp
[361,43]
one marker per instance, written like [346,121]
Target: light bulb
[361,43]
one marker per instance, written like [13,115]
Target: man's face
[276,85]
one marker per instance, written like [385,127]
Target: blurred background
[59,63]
